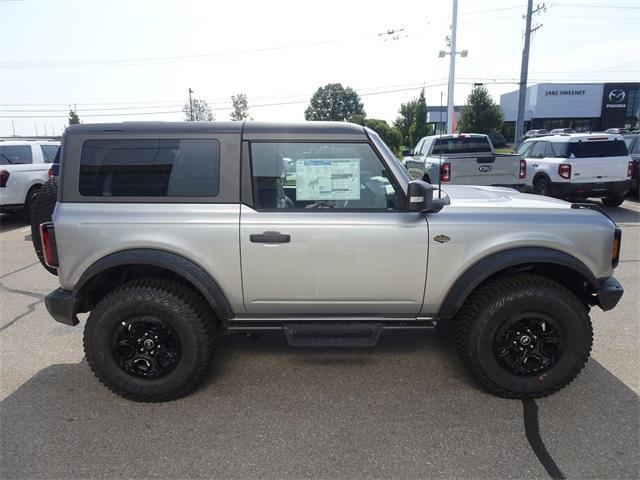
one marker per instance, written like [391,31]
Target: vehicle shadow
[403,409]
[9,222]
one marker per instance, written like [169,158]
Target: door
[328,234]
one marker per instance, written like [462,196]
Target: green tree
[334,102]
[481,114]
[412,122]
[73,117]
[390,135]
[201,111]
[405,120]
[240,107]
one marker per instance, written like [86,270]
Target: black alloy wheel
[146,347]
[528,344]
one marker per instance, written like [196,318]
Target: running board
[329,324]
[350,334]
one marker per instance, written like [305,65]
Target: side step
[345,334]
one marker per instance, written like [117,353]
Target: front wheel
[612,201]
[523,336]
[150,340]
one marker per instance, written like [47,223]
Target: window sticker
[328,179]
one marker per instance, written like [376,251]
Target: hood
[495,197]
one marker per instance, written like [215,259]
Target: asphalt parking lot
[404,409]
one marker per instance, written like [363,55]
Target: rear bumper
[609,293]
[584,190]
[62,306]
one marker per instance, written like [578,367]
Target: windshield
[591,149]
[461,145]
[392,161]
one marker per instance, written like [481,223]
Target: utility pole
[524,70]
[190,104]
[13,126]
[451,43]
[452,67]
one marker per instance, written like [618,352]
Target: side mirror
[406,153]
[420,196]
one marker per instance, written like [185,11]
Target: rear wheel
[612,201]
[41,211]
[542,186]
[150,340]
[523,336]
[28,202]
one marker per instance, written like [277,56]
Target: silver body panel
[336,263]
[206,234]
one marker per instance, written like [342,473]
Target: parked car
[633,145]
[536,133]
[464,159]
[560,131]
[24,167]
[580,165]
[617,131]
[153,217]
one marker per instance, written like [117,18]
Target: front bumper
[608,294]
[62,305]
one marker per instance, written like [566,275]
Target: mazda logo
[617,96]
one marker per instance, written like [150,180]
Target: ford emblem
[485,168]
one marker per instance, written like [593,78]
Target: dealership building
[582,106]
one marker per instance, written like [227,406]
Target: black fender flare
[181,266]
[488,266]
[538,175]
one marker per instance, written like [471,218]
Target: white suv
[24,167]
[578,165]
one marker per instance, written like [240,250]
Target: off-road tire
[612,201]
[175,305]
[41,211]
[542,186]
[28,202]
[493,304]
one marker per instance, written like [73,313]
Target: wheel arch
[547,262]
[115,268]
[540,175]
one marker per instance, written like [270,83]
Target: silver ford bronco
[172,233]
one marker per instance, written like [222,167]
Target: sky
[126,60]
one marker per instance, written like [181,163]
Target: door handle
[270,237]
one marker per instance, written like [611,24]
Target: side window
[49,152]
[549,150]
[636,147]
[539,150]
[525,149]
[150,168]
[320,176]
[15,154]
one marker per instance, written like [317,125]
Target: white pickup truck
[24,167]
[464,159]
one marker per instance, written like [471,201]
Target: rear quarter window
[150,168]
[597,148]
[15,154]
[49,152]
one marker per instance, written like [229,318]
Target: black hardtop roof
[247,128]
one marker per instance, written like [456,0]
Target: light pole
[190,105]
[451,42]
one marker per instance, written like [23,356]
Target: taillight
[445,172]
[615,251]
[50,172]
[564,170]
[523,169]
[4,176]
[49,247]
[631,168]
